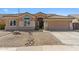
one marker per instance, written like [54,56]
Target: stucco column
[21,23]
[71,26]
[32,24]
[45,24]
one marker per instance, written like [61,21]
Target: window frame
[26,20]
[13,22]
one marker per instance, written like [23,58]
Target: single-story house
[27,21]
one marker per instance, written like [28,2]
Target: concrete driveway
[68,38]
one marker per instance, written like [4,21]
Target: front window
[26,21]
[10,23]
[13,23]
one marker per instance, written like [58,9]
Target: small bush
[2,26]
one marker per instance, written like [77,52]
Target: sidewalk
[43,48]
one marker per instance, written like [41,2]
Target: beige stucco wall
[28,27]
[20,23]
[8,19]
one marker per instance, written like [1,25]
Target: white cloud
[5,10]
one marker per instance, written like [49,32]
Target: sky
[59,11]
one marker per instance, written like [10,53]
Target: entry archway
[39,23]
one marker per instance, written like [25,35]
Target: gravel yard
[11,40]
[3,33]
[8,39]
[45,38]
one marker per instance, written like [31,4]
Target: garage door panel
[58,26]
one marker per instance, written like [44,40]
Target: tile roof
[40,13]
[59,16]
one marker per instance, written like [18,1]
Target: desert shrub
[2,26]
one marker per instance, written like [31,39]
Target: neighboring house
[76,21]
[27,21]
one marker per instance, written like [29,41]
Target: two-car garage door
[58,25]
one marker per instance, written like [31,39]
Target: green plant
[2,26]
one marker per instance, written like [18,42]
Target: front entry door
[39,24]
